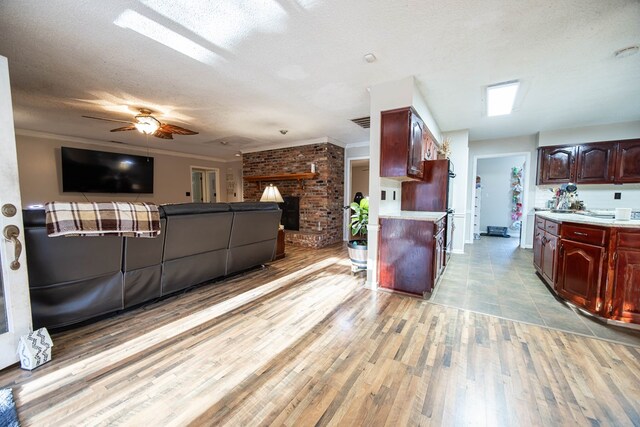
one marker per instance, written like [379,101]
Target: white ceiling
[242,70]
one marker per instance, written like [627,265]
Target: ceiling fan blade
[165,127]
[162,134]
[130,127]
[108,120]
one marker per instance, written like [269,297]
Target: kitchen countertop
[416,215]
[584,219]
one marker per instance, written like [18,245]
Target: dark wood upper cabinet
[556,165]
[429,194]
[609,162]
[628,161]
[597,163]
[401,144]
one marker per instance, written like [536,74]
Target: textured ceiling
[240,71]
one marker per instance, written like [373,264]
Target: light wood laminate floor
[302,342]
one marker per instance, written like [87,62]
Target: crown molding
[57,137]
[358,144]
[279,145]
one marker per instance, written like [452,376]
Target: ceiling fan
[147,124]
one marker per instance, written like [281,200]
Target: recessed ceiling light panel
[500,98]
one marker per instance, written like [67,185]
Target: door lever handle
[11,233]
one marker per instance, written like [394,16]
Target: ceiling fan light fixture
[147,124]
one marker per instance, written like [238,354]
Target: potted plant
[358,247]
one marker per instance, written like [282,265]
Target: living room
[292,93]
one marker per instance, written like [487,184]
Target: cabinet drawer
[553,228]
[628,239]
[579,233]
[540,223]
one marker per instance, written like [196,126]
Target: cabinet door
[556,165]
[405,255]
[626,291]
[549,258]
[537,249]
[596,163]
[628,161]
[395,128]
[416,148]
[580,273]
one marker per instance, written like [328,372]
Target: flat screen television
[89,171]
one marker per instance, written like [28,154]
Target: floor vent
[363,122]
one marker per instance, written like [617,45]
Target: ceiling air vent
[363,122]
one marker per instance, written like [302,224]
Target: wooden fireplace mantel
[282,177]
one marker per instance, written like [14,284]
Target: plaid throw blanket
[101,219]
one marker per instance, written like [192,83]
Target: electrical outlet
[617,196]
[383,195]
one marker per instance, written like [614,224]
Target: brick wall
[321,199]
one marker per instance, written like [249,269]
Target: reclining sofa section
[72,279]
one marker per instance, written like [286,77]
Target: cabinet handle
[580,234]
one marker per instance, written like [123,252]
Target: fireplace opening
[290,213]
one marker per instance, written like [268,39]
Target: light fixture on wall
[271,194]
[147,124]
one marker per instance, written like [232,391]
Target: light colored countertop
[584,219]
[415,215]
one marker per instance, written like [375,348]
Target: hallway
[496,277]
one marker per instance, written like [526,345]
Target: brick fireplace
[321,198]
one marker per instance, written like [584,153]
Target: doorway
[357,179]
[499,196]
[15,307]
[205,185]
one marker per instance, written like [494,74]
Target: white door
[15,309]
[212,187]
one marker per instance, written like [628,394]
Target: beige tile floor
[496,277]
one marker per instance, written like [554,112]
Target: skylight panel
[500,98]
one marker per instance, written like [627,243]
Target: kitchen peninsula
[412,251]
[592,262]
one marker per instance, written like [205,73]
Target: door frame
[14,282]
[347,193]
[205,186]
[525,196]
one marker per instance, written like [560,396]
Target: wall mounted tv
[89,171]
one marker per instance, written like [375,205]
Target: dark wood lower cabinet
[594,267]
[580,274]
[625,298]
[411,255]
[549,258]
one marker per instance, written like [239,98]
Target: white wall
[597,196]
[610,132]
[497,195]
[525,145]
[41,178]
[459,143]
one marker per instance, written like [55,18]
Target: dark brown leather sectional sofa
[72,279]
